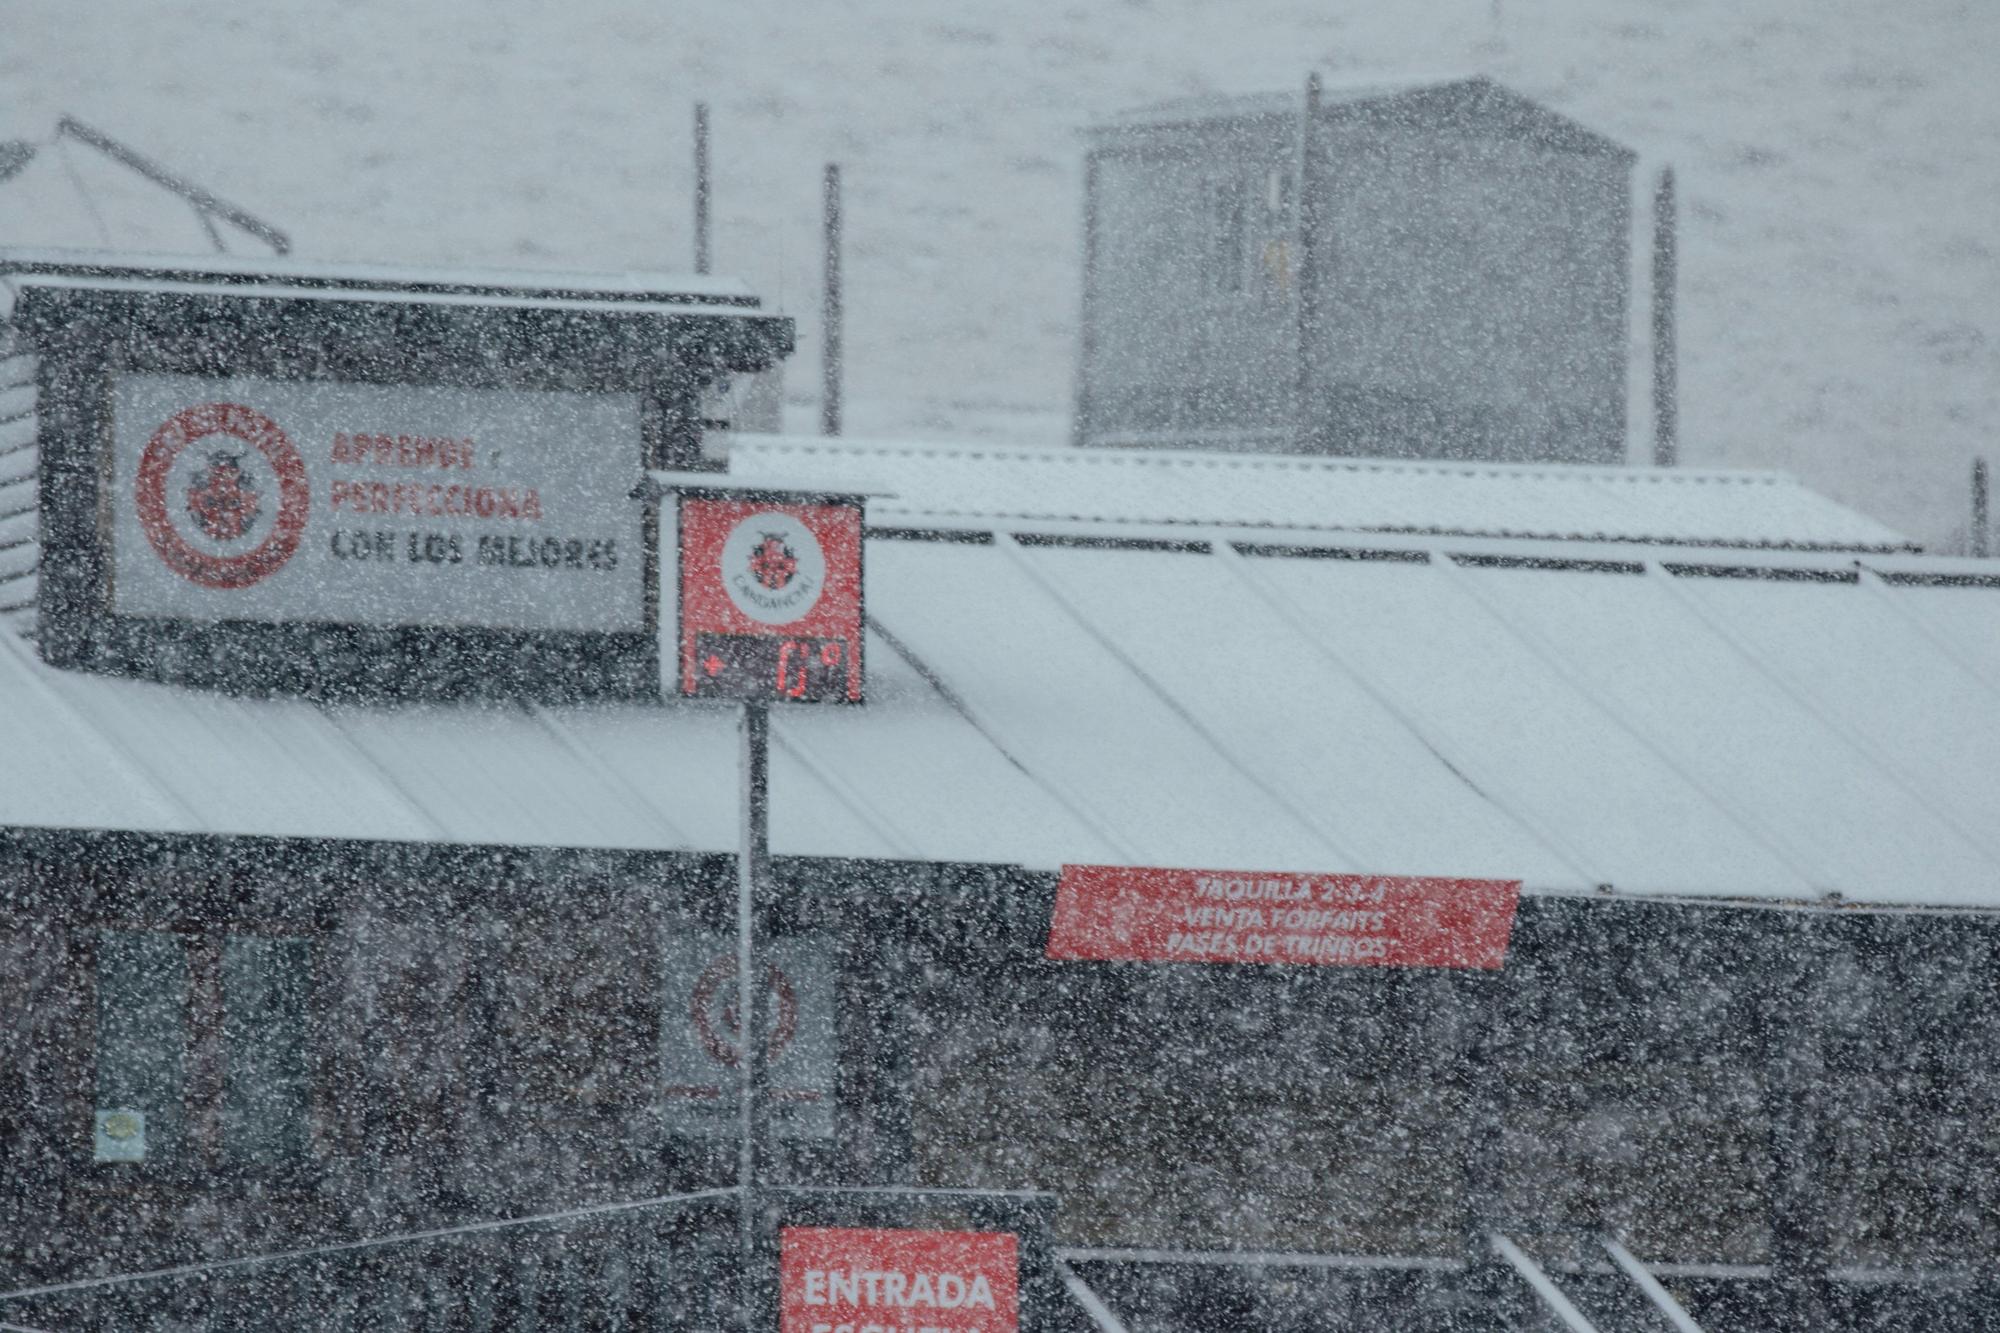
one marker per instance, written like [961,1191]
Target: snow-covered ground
[1841,268]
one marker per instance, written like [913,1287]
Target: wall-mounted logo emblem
[222,495]
[221,498]
[718,1015]
[773,567]
[773,562]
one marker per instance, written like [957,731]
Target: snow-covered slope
[1841,313]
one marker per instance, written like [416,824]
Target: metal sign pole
[752,861]
[767,607]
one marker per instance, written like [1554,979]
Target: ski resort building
[367,961]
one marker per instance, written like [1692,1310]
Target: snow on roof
[267,275]
[1700,723]
[936,484]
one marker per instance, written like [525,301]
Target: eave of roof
[1270,497]
[293,275]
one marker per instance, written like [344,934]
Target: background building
[1455,287]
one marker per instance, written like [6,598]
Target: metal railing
[664,1263]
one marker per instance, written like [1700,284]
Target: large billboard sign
[769,597]
[876,1280]
[1142,914]
[348,482]
[253,499]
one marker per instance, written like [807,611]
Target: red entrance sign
[1121,913]
[841,1280]
[770,599]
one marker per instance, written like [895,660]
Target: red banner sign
[840,1280]
[1134,914]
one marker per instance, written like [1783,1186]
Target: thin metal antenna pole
[752,862]
[1666,356]
[830,331]
[1081,426]
[701,188]
[1981,540]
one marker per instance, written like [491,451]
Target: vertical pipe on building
[830,321]
[1981,546]
[1306,211]
[1666,357]
[1086,331]
[701,188]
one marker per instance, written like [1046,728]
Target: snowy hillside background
[1839,168]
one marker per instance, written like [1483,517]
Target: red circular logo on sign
[720,1025]
[205,499]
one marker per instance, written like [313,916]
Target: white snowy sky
[1841,267]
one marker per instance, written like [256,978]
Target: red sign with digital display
[770,598]
[846,1280]
[1136,914]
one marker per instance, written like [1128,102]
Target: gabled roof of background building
[1124,685]
[1461,103]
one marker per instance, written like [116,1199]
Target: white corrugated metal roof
[942,484]
[1661,730]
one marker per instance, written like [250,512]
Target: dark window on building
[202,1047]
[1277,200]
[1228,218]
[265,980]
[1274,251]
[1248,232]
[142,1010]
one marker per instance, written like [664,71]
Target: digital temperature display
[769,597]
[763,666]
